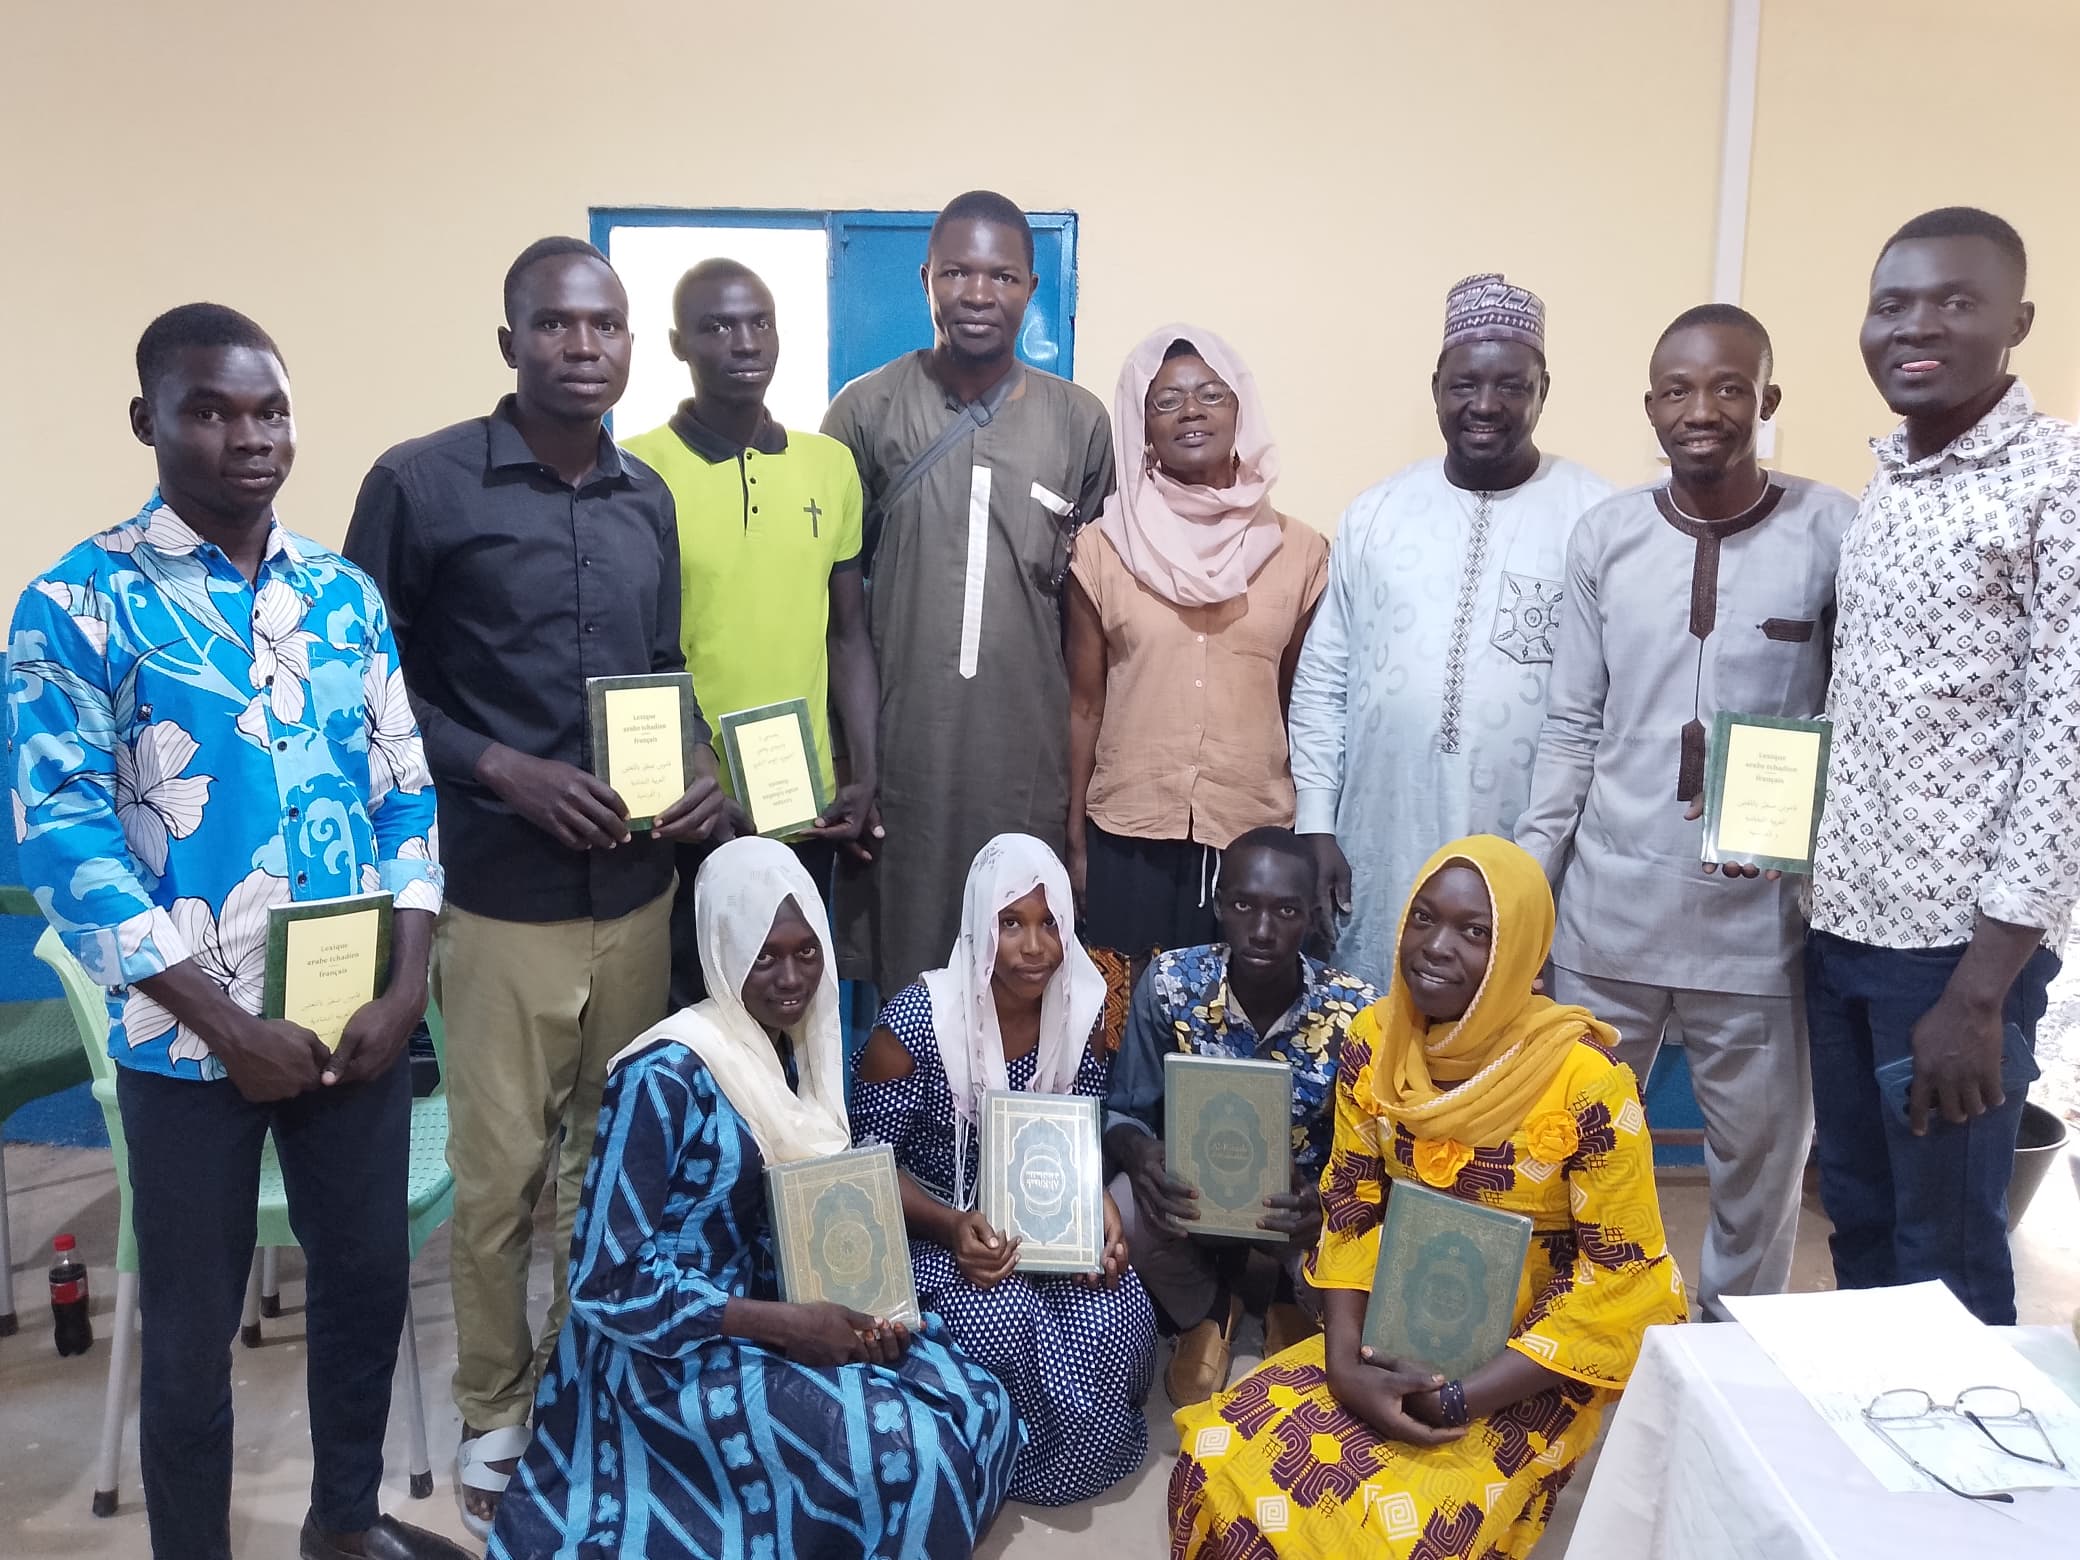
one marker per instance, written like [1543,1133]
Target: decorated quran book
[1228,1134]
[838,1233]
[1042,1178]
[1445,1292]
[644,732]
[326,958]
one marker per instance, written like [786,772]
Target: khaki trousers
[534,1012]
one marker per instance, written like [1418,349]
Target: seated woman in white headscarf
[688,1410]
[1016,1007]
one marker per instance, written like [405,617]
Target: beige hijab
[964,1009]
[740,889]
[1193,546]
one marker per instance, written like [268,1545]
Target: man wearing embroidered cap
[1418,698]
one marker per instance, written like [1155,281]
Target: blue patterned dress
[1079,1362]
[656,1435]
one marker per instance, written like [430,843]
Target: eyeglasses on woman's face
[1213,395]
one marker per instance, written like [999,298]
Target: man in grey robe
[1713,591]
[1416,704]
[964,571]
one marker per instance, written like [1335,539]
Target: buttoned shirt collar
[158,527]
[1222,1004]
[1999,428]
[506,448]
[714,448]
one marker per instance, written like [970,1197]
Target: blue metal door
[878,308]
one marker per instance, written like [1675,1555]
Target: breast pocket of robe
[1527,615]
[1044,546]
[1774,666]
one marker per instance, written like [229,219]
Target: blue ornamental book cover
[1043,1178]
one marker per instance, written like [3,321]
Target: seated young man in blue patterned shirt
[1253,994]
[206,721]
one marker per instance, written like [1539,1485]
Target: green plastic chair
[431,1193]
[39,1056]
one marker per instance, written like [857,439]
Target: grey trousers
[1184,1273]
[1752,1076]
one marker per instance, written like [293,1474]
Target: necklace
[1670,491]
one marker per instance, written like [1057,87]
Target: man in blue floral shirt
[1255,995]
[205,721]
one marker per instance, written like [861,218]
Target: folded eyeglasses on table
[1997,1413]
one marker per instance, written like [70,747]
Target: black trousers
[194,1181]
[1143,896]
[819,858]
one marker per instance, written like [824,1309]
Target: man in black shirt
[521,554]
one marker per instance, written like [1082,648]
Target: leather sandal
[1285,1324]
[1199,1365]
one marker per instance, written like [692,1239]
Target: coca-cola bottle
[69,1323]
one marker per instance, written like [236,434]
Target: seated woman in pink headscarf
[1187,605]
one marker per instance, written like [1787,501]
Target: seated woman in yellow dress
[1463,1079]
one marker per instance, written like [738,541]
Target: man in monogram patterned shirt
[1949,855]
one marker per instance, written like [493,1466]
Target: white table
[1714,1455]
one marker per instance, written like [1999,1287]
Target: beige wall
[1869,112]
[1306,178]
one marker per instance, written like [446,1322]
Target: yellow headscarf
[1475,1081]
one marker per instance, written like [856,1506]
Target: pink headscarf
[1193,546]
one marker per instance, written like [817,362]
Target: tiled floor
[50,1409]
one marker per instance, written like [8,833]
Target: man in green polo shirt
[771,600]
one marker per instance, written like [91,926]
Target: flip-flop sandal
[473,1470]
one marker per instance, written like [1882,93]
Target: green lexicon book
[1043,1178]
[326,959]
[1445,1292]
[1228,1134]
[838,1233]
[643,732]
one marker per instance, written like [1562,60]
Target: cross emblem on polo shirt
[815,513]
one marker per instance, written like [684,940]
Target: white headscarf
[740,890]
[964,1009]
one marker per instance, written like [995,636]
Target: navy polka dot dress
[1078,1362]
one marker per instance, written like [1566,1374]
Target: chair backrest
[89,1004]
[87,999]
[438,1031]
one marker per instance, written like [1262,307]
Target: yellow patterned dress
[1276,1467]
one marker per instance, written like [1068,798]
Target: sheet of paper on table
[1841,1348]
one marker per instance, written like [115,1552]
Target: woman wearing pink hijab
[1188,603]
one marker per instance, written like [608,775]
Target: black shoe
[388,1539]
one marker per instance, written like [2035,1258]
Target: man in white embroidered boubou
[1416,704]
